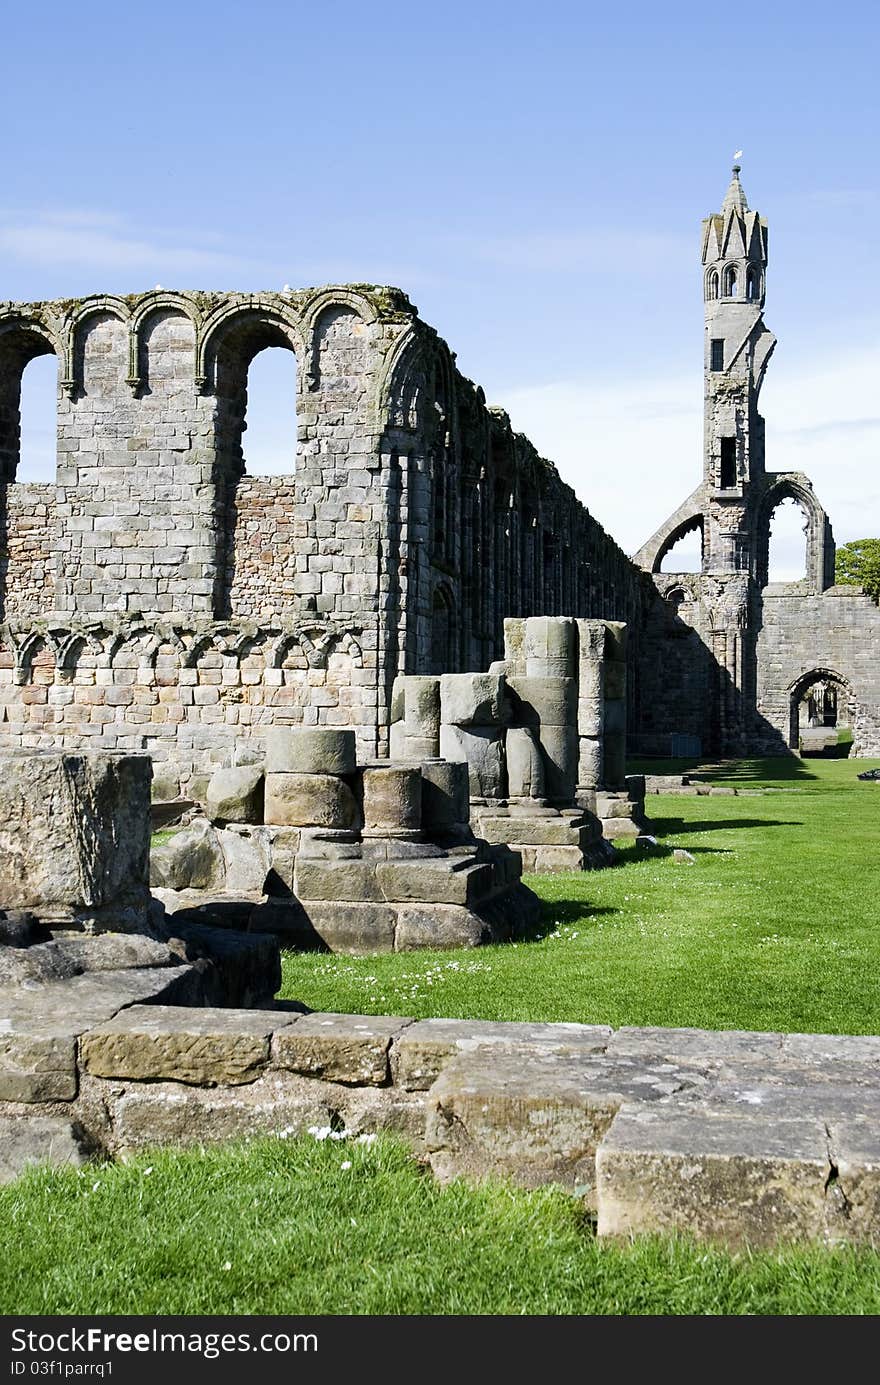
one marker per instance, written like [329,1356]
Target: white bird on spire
[738,154]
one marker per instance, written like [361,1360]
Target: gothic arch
[443,630]
[400,389]
[820,545]
[686,526]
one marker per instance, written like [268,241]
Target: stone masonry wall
[836,632]
[158,598]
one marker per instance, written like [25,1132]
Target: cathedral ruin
[156,597]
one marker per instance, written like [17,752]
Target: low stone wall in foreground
[737,1137]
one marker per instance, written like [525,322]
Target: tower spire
[735,198]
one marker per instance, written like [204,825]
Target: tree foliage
[858,564]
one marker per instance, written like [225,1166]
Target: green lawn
[284,1227]
[775,926]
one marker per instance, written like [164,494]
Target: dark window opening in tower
[269,441]
[39,410]
[731,282]
[787,540]
[752,282]
[717,353]
[728,464]
[712,289]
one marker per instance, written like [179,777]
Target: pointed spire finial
[735,198]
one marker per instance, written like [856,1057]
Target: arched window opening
[787,543]
[731,282]
[686,554]
[39,421]
[443,658]
[752,285]
[712,285]
[269,425]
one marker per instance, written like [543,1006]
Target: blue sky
[534,177]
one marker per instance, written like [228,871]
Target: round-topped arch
[23,338]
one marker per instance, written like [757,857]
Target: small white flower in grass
[352,1220]
[346,1164]
[368,1140]
[320,1132]
[148,1170]
[227,1265]
[95,1187]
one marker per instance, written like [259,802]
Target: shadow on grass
[568,911]
[786,768]
[681,827]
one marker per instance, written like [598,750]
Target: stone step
[538,1118]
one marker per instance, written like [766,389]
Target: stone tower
[730,656]
[737,347]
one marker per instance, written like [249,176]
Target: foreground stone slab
[536,1122]
[339,1048]
[202,1046]
[698,1045]
[39,1029]
[425,1047]
[32,1140]
[682,1168]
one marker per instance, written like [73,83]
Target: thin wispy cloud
[95,240]
[609,249]
[632,451]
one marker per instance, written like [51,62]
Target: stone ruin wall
[157,598]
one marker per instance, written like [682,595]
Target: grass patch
[281,1227]
[774,927]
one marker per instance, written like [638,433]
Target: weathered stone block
[309,800]
[164,1113]
[550,646]
[439,926]
[421,699]
[191,860]
[536,1122]
[29,1140]
[392,799]
[354,879]
[481,748]
[425,1047]
[40,1027]
[445,796]
[745,1180]
[357,929]
[452,880]
[90,816]
[202,1047]
[246,858]
[525,764]
[471,699]
[236,795]
[544,702]
[339,1048]
[310,750]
